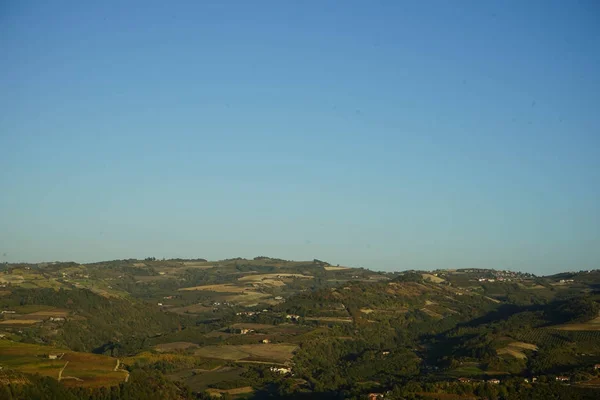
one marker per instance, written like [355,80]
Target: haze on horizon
[389,135]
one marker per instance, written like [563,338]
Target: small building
[563,378]
[292,317]
[281,370]
[385,353]
[464,380]
[494,381]
[375,396]
[55,356]
[8,312]
[265,341]
[160,304]
[597,366]
[56,319]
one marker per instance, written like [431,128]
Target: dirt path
[61,371]
[124,370]
[72,377]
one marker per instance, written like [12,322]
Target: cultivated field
[73,368]
[220,288]
[515,349]
[278,353]
[260,277]
[19,322]
[242,295]
[330,319]
[232,392]
[56,312]
[249,325]
[173,346]
[330,268]
[432,278]
[578,327]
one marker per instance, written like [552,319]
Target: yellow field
[250,298]
[250,325]
[74,369]
[515,349]
[578,327]
[221,288]
[276,352]
[20,322]
[57,312]
[335,268]
[511,351]
[431,313]
[330,319]
[5,278]
[260,277]
[523,345]
[197,264]
[432,278]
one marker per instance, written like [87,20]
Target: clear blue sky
[384,134]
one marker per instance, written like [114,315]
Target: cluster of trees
[96,322]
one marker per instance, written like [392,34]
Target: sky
[389,135]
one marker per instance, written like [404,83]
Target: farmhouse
[293,317]
[494,381]
[55,356]
[464,380]
[562,378]
[282,370]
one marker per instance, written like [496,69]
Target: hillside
[269,327]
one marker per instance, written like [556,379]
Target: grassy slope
[93,370]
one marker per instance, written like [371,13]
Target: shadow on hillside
[272,393]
